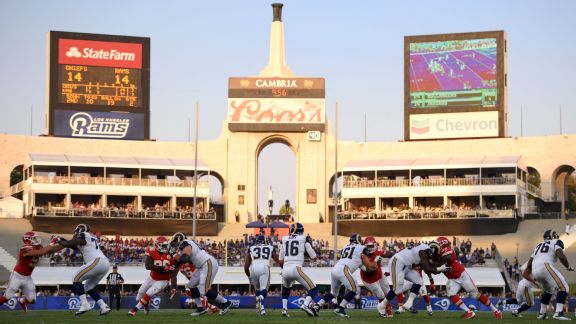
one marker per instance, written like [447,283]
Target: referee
[113,282]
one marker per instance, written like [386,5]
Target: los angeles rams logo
[74,303]
[443,304]
[11,303]
[155,302]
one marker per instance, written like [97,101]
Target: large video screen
[454,73]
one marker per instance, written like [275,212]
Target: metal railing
[399,215]
[117,181]
[120,213]
[386,183]
[537,191]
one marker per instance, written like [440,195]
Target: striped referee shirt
[114,279]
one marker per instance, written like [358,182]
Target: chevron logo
[420,126]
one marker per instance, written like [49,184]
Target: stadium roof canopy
[135,275]
[437,163]
[129,162]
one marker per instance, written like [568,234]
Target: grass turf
[248,316]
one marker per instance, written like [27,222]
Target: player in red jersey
[372,275]
[459,279]
[186,269]
[21,279]
[161,264]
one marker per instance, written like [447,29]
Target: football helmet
[31,238]
[260,239]
[434,247]
[178,238]
[370,243]
[443,241]
[551,235]
[355,239]
[81,228]
[296,229]
[161,244]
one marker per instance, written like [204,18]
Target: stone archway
[559,184]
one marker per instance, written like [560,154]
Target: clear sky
[356,45]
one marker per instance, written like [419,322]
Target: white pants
[151,288]
[20,282]
[453,286]
[203,277]
[91,273]
[399,272]
[260,276]
[407,285]
[291,273]
[550,278]
[524,294]
[379,288]
[341,275]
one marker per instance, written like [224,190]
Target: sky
[356,45]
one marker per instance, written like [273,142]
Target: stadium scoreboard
[98,86]
[455,86]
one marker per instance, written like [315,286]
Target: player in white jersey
[201,282]
[401,269]
[354,255]
[541,269]
[257,268]
[96,266]
[524,298]
[292,252]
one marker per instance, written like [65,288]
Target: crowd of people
[131,251]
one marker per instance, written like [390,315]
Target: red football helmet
[31,238]
[161,244]
[370,243]
[443,241]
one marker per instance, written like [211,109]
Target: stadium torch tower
[277,64]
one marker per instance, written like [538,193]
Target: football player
[541,268]
[353,256]
[96,266]
[186,269]
[161,264]
[401,269]
[372,276]
[459,279]
[200,283]
[524,298]
[423,291]
[257,268]
[21,279]
[292,252]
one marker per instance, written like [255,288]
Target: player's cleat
[262,311]
[146,309]
[498,315]
[133,311]
[23,305]
[542,316]
[413,310]
[307,310]
[561,317]
[316,309]
[400,310]
[468,315]
[83,309]
[105,311]
[515,313]
[226,308]
[285,312]
[341,312]
[199,311]
[429,310]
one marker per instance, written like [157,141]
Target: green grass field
[247,316]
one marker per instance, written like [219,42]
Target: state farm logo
[100,54]
[83,125]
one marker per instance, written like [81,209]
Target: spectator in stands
[468,245]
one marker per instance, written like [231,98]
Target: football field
[249,316]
